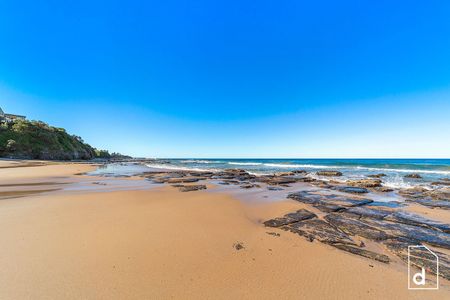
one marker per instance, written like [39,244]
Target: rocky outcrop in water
[365,183]
[377,175]
[414,175]
[329,173]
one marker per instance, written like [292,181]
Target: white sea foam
[245,163]
[404,170]
[397,182]
[302,166]
[179,168]
[199,161]
[357,167]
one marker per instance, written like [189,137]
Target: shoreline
[153,241]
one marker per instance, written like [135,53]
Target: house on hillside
[9,117]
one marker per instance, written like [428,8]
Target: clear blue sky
[234,78]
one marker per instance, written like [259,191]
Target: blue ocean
[429,169]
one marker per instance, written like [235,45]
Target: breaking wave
[303,166]
[245,163]
[180,168]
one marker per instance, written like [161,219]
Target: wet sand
[158,243]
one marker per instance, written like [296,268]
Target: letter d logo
[426,263]
[421,276]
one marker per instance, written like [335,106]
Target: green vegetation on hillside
[38,140]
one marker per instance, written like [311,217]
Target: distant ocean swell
[395,170]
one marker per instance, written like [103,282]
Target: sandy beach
[159,243]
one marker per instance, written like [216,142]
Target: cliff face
[38,140]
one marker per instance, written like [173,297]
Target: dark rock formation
[327,203]
[250,186]
[414,175]
[442,182]
[377,175]
[274,188]
[432,198]
[415,233]
[384,189]
[362,252]
[329,173]
[277,180]
[433,203]
[416,220]
[420,257]
[413,192]
[365,212]
[350,216]
[185,179]
[297,216]
[190,188]
[300,172]
[284,174]
[356,227]
[353,190]
[316,229]
[439,194]
[365,183]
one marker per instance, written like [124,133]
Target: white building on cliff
[9,117]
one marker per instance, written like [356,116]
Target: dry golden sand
[160,244]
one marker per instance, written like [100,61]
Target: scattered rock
[234,174]
[414,192]
[99,183]
[384,189]
[284,174]
[250,186]
[322,184]
[238,246]
[438,194]
[306,179]
[177,185]
[353,190]
[413,175]
[434,203]
[273,233]
[329,173]
[365,183]
[274,188]
[297,216]
[278,180]
[377,175]
[444,182]
[362,252]
[185,179]
[431,198]
[190,188]
[299,172]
